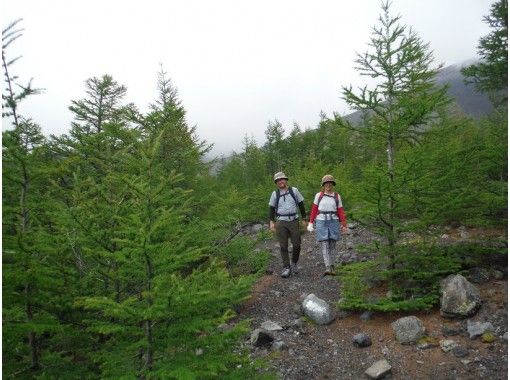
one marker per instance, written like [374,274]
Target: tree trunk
[148,323]
[149,354]
[32,338]
[391,202]
[11,92]
[391,198]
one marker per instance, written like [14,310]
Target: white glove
[310,227]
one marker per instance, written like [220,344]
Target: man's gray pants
[284,231]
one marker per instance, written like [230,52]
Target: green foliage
[462,173]
[108,218]
[121,255]
[354,283]
[396,110]
[413,283]
[491,75]
[241,257]
[99,108]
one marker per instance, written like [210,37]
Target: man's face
[281,183]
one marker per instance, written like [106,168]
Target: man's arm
[272,212]
[301,206]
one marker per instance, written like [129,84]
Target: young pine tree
[403,102]
[397,109]
[180,148]
[173,297]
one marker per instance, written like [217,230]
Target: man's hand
[345,230]
[272,226]
[310,227]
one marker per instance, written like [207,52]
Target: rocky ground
[313,351]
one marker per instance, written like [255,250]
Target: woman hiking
[327,212]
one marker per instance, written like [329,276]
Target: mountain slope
[466,98]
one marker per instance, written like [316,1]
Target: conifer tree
[396,112]
[491,75]
[10,97]
[180,149]
[20,245]
[93,200]
[274,146]
[21,248]
[403,102]
[167,296]
[101,106]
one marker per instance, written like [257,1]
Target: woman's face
[328,186]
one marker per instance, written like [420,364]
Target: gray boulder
[271,326]
[408,329]
[459,298]
[317,309]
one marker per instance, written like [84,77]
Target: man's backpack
[335,195]
[278,195]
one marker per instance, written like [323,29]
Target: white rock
[379,369]
[317,309]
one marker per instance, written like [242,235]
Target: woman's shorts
[327,229]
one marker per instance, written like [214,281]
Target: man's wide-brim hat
[279,175]
[328,178]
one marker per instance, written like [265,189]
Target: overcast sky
[236,64]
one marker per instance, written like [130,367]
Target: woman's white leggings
[328,252]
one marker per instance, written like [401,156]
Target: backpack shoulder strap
[291,192]
[277,195]
[337,199]
[321,195]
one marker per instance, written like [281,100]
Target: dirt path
[327,352]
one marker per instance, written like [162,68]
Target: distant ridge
[467,99]
[471,102]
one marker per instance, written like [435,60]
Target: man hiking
[283,207]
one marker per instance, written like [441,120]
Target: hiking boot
[330,271]
[295,268]
[286,273]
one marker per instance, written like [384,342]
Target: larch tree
[274,146]
[180,148]
[402,102]
[491,74]
[396,110]
[32,260]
